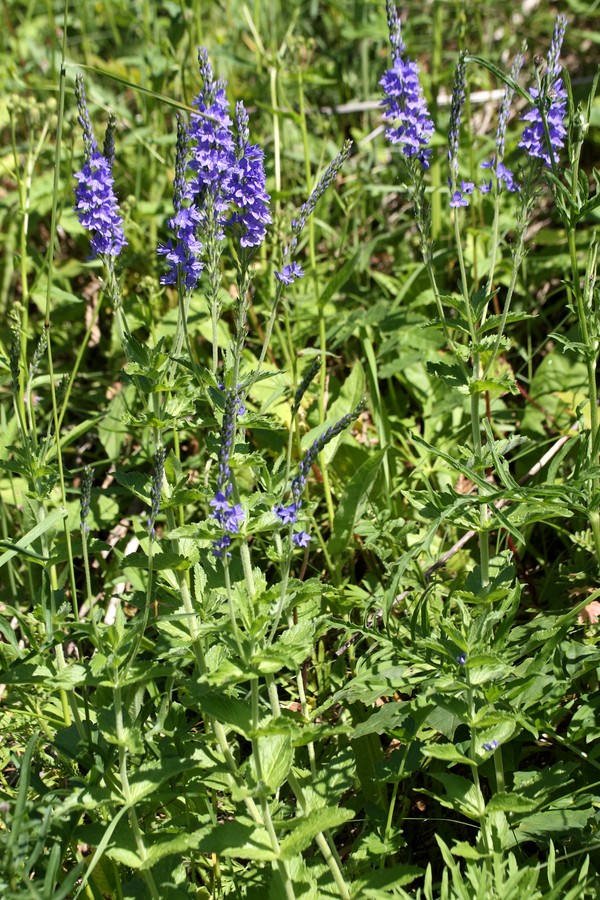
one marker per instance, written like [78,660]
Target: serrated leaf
[515,803]
[461,795]
[276,755]
[241,839]
[452,375]
[230,710]
[448,753]
[317,821]
[166,559]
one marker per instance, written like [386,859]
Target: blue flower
[458,200]
[507,177]
[404,100]
[289,273]
[97,207]
[247,189]
[213,151]
[534,140]
[301,538]
[490,745]
[287,514]
[185,253]
[227,186]
[221,544]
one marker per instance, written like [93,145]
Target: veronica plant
[219,196]
[476,338]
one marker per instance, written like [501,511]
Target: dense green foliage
[408,706]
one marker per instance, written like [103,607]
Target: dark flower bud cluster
[288,514]
[404,100]
[456,105]
[302,388]
[96,205]
[86,497]
[229,515]
[550,100]
[38,354]
[89,139]
[291,270]
[14,357]
[109,139]
[158,474]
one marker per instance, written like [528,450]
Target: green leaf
[336,281]
[514,803]
[352,503]
[461,795]
[448,753]
[453,376]
[236,713]
[386,719]
[161,561]
[243,839]
[308,827]
[380,883]
[276,755]
[47,523]
[542,825]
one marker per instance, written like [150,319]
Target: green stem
[324,841]
[127,795]
[475,406]
[51,250]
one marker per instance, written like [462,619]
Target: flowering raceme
[227,187]
[96,205]
[404,100]
[229,516]
[288,515]
[550,100]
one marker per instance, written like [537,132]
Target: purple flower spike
[553,100]
[97,207]
[186,250]
[248,193]
[404,100]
